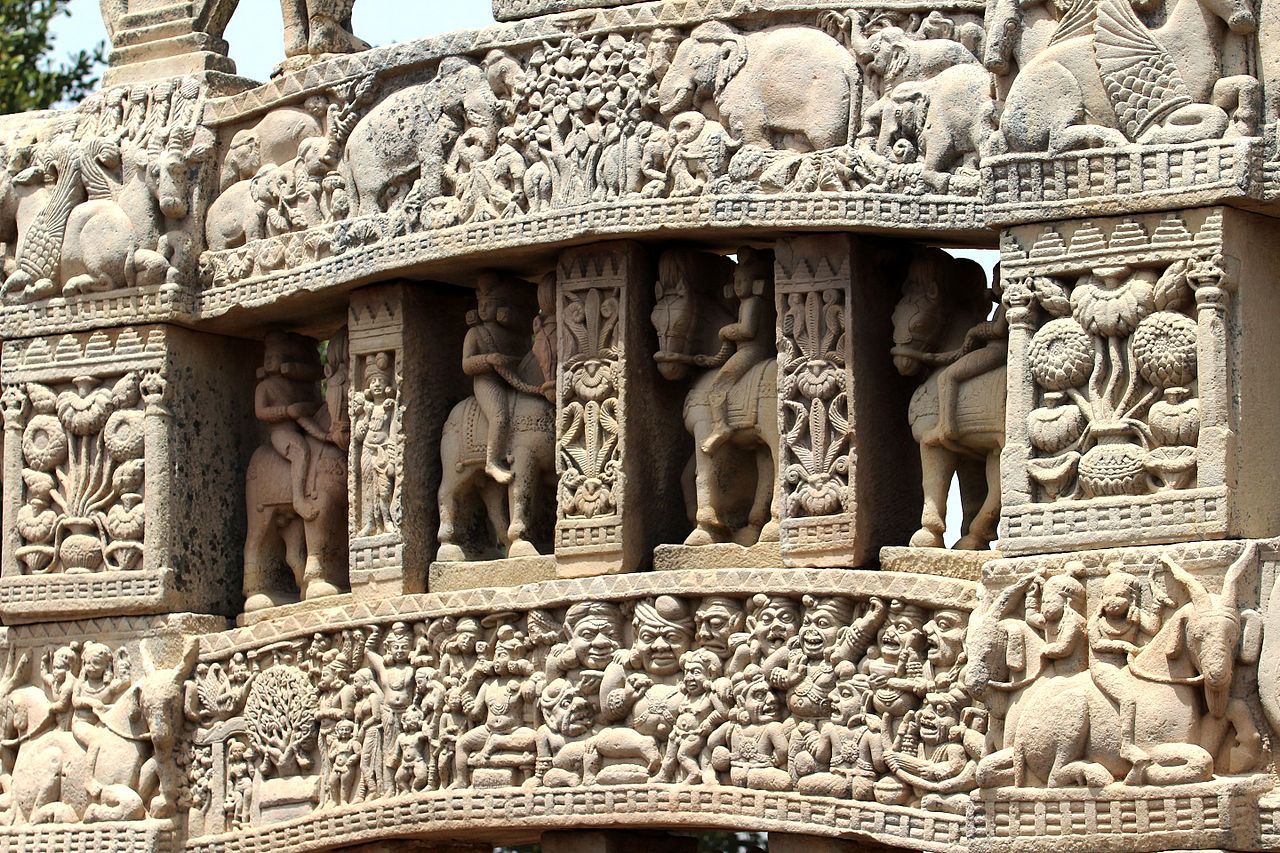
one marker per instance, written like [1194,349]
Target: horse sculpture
[957,413]
[1170,723]
[512,509]
[690,317]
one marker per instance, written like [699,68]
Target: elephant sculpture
[948,118]
[296,485]
[892,57]
[1100,87]
[511,508]
[786,87]
[409,134]
[940,328]
[273,141]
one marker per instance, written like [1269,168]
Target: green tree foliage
[29,78]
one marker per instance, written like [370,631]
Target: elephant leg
[982,529]
[296,35]
[520,496]
[294,536]
[709,526]
[971,476]
[937,466]
[261,553]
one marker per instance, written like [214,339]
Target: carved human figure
[393,671]
[342,781]
[411,766]
[702,710]
[752,748]
[287,392]
[501,741]
[940,770]
[239,800]
[593,635]
[375,426]
[562,739]
[835,760]
[644,688]
[1117,629]
[491,354]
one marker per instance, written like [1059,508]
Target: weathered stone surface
[596,479]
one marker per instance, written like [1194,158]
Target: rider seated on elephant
[286,394]
[491,354]
[750,337]
[1116,631]
[985,348]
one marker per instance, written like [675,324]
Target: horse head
[939,294]
[682,304]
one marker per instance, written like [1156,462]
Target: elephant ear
[733,55]
[899,58]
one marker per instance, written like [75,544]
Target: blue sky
[256,33]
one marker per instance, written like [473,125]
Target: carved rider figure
[287,393]
[491,354]
[748,340]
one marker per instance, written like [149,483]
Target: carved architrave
[99,514]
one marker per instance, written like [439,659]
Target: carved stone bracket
[101,515]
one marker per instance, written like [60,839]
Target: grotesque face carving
[774,619]
[595,633]
[821,624]
[717,619]
[565,709]
[944,634]
[701,668]
[937,719]
[848,696]
[760,704]
[901,631]
[663,632]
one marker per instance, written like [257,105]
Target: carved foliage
[82,448]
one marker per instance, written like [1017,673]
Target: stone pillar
[619,470]
[405,342]
[1140,363]
[125,454]
[604,841]
[154,39]
[848,465]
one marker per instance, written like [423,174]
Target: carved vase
[81,549]
[1115,465]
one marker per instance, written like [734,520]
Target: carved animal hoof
[450,553]
[522,548]
[771,532]
[972,543]
[320,589]
[699,536]
[924,538]
[747,536]
[259,601]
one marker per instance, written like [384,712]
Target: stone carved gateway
[548,433]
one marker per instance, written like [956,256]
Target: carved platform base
[482,574]
[722,555]
[298,608]
[149,836]
[965,565]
